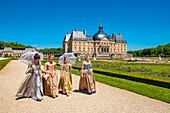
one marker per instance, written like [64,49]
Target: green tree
[163,50]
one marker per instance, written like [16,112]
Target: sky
[44,23]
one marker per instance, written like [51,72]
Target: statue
[131,57]
[79,58]
[160,57]
[94,57]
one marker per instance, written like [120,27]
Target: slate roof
[78,34]
[81,35]
[29,49]
[117,38]
[67,37]
[7,49]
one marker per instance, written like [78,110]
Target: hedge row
[3,63]
[150,81]
[137,63]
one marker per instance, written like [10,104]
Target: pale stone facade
[8,51]
[100,45]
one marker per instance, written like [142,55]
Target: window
[75,49]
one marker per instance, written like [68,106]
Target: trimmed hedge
[3,63]
[150,81]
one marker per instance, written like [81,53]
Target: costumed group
[52,81]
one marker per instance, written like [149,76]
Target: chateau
[99,45]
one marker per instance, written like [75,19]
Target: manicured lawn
[151,70]
[151,91]
[3,63]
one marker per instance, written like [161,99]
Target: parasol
[70,56]
[29,56]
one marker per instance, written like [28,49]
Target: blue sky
[43,23]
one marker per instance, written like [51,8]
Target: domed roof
[100,34]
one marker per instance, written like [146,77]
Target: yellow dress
[50,85]
[87,80]
[66,80]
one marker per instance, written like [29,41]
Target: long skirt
[30,87]
[66,82]
[50,86]
[87,81]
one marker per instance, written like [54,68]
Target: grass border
[141,79]
[3,63]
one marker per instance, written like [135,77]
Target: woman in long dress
[65,77]
[31,86]
[87,80]
[50,79]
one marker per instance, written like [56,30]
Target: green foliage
[51,50]
[13,45]
[18,46]
[3,63]
[163,50]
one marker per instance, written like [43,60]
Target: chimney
[84,32]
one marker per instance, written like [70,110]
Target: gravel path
[106,100]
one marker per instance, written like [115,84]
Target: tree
[13,45]
[51,50]
[163,50]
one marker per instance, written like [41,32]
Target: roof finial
[100,24]
[100,28]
